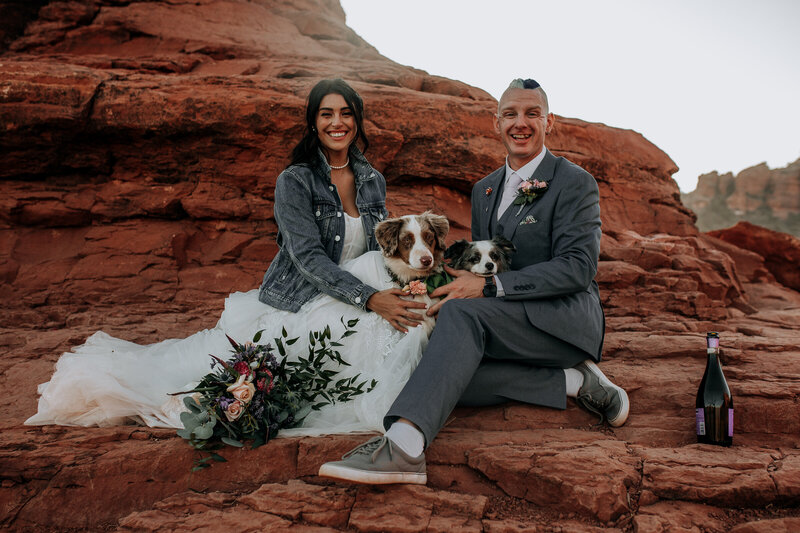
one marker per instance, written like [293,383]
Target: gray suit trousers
[483,351]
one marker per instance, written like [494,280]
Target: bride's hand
[397,311]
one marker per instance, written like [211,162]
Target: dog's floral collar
[416,287]
[528,191]
[419,286]
[437,279]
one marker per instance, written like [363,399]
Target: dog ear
[440,226]
[387,234]
[456,249]
[504,245]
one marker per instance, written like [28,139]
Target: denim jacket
[311,225]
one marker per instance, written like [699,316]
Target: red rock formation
[781,252]
[140,143]
[769,198]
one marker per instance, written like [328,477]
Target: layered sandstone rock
[140,144]
[760,195]
[780,251]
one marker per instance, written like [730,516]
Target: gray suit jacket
[557,237]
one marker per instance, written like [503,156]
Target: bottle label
[712,342]
[700,419]
[730,422]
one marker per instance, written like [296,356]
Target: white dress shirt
[513,177]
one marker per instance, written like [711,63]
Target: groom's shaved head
[529,84]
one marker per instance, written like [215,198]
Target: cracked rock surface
[140,142]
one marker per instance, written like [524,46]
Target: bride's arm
[302,241]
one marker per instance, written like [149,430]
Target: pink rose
[525,185]
[418,287]
[244,392]
[539,184]
[234,411]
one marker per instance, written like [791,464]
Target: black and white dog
[482,258]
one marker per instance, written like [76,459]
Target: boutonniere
[489,191]
[528,191]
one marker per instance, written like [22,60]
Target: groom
[530,334]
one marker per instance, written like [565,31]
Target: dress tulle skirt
[109,381]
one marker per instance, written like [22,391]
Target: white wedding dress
[109,381]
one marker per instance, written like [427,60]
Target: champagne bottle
[714,406]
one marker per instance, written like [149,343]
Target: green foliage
[282,392]
[436,280]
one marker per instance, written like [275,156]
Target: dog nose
[489,266]
[426,260]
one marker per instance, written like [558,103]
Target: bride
[327,203]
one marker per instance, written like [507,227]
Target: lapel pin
[488,191]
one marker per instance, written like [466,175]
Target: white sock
[408,438]
[574,382]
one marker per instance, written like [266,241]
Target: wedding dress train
[109,381]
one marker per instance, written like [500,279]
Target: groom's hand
[465,285]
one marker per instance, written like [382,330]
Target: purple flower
[224,402]
[257,405]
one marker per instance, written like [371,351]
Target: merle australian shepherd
[413,249]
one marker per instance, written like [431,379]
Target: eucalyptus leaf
[203,432]
[232,442]
[192,404]
[190,420]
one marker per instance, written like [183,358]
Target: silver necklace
[341,167]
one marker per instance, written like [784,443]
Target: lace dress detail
[109,381]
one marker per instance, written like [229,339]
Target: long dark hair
[306,149]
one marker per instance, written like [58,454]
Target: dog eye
[429,238]
[475,258]
[493,256]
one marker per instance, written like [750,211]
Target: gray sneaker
[601,397]
[378,461]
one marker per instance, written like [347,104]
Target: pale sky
[713,83]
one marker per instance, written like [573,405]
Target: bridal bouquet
[253,394]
